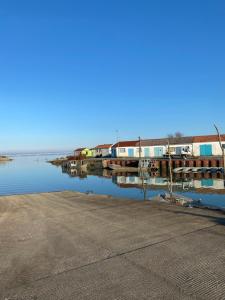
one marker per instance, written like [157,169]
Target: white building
[193,146]
[125,149]
[207,145]
[104,150]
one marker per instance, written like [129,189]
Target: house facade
[208,145]
[125,149]
[192,146]
[104,150]
[83,152]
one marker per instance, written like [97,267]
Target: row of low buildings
[104,150]
[193,146]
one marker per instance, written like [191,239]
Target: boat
[178,170]
[198,170]
[179,200]
[114,166]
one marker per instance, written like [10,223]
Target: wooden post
[221,146]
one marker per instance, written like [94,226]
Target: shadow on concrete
[216,219]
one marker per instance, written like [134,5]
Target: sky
[80,73]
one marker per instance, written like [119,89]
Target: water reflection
[32,174]
[203,183]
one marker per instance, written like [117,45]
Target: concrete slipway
[68,245]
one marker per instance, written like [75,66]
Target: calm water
[30,174]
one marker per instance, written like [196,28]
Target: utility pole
[139,138]
[222,148]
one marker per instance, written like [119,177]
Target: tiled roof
[208,138]
[104,146]
[173,141]
[79,149]
[126,144]
[164,141]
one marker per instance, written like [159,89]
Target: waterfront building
[190,146]
[207,145]
[125,149]
[83,152]
[104,150]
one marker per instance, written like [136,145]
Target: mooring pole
[222,148]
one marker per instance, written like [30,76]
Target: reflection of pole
[145,192]
[141,173]
[170,170]
[222,148]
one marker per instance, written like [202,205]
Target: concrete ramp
[68,245]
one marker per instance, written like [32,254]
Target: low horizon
[55,150]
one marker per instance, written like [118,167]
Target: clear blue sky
[73,72]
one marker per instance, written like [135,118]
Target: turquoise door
[206,150]
[207,182]
[130,152]
[158,151]
[146,152]
[113,152]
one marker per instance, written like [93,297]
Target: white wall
[123,154]
[195,149]
[106,152]
[216,150]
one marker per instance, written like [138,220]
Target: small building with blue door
[125,149]
[207,145]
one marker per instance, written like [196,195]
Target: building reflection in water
[197,182]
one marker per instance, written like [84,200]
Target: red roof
[208,138]
[173,141]
[104,146]
[79,149]
[126,144]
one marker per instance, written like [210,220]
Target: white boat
[114,167]
[178,170]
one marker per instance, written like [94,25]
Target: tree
[170,136]
[177,134]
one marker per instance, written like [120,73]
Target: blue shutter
[146,152]
[206,150]
[131,152]
[158,151]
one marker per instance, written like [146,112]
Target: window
[122,150]
[223,145]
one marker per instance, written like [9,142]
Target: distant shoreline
[15,154]
[5,158]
